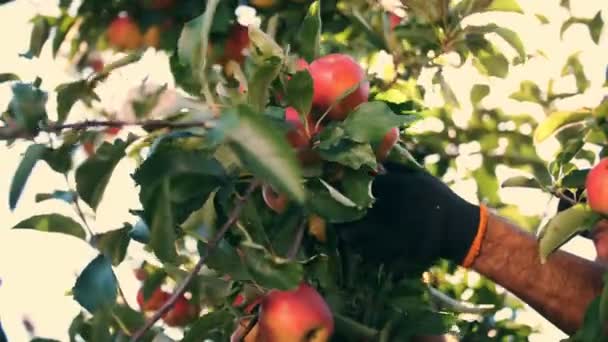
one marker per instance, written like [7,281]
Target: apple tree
[277,127]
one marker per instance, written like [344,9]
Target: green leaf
[299,92]
[66,196]
[563,227]
[556,121]
[521,182]
[528,91]
[60,159]
[114,244]
[446,90]
[189,44]
[370,122]
[575,179]
[337,195]
[29,160]
[96,286]
[6,77]
[595,26]
[272,272]
[309,37]
[210,326]
[28,106]
[478,93]
[70,93]
[505,6]
[323,204]
[352,154]
[225,259]
[63,26]
[358,188]
[93,175]
[260,83]
[491,62]
[39,36]
[264,46]
[53,223]
[508,35]
[162,225]
[574,67]
[267,153]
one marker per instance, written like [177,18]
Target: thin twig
[234,215]
[297,242]
[78,208]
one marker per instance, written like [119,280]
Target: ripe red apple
[152,37]
[294,316]
[387,143]
[156,300]
[238,40]
[112,131]
[299,136]
[123,33]
[182,313]
[333,75]
[275,201]
[597,188]
[394,20]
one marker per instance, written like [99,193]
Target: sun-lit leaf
[63,26]
[267,154]
[508,35]
[528,91]
[521,182]
[39,36]
[114,243]
[53,223]
[595,26]
[70,93]
[488,61]
[557,120]
[93,175]
[30,158]
[563,226]
[504,6]
[309,37]
[7,77]
[96,286]
[574,67]
[478,93]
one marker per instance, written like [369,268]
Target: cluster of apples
[181,313]
[597,188]
[287,316]
[333,76]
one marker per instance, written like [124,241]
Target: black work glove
[416,218]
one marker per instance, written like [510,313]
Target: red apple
[89,148]
[294,316]
[182,313]
[394,20]
[96,64]
[275,201]
[389,140]
[317,227]
[238,40]
[333,75]
[140,274]
[156,300]
[597,188]
[299,136]
[112,131]
[600,240]
[152,37]
[123,33]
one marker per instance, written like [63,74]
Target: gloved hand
[416,218]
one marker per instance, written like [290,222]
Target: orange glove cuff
[475,248]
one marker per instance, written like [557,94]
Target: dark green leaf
[63,26]
[272,272]
[28,106]
[478,93]
[162,225]
[210,326]
[563,227]
[521,181]
[267,154]
[70,93]
[575,179]
[130,318]
[6,77]
[114,244]
[309,36]
[323,204]
[528,91]
[352,154]
[225,259]
[508,35]
[370,122]
[53,223]
[96,287]
[574,67]
[93,175]
[358,188]
[40,33]
[299,92]
[66,196]
[140,232]
[260,82]
[570,149]
[29,160]
[491,62]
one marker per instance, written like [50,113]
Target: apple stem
[232,218]
[297,242]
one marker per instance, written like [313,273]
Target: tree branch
[10,132]
[234,215]
[297,242]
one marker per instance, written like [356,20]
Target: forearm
[560,289]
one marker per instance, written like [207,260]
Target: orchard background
[497,111]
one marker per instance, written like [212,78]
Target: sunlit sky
[36,269]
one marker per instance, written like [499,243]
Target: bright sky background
[36,269]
